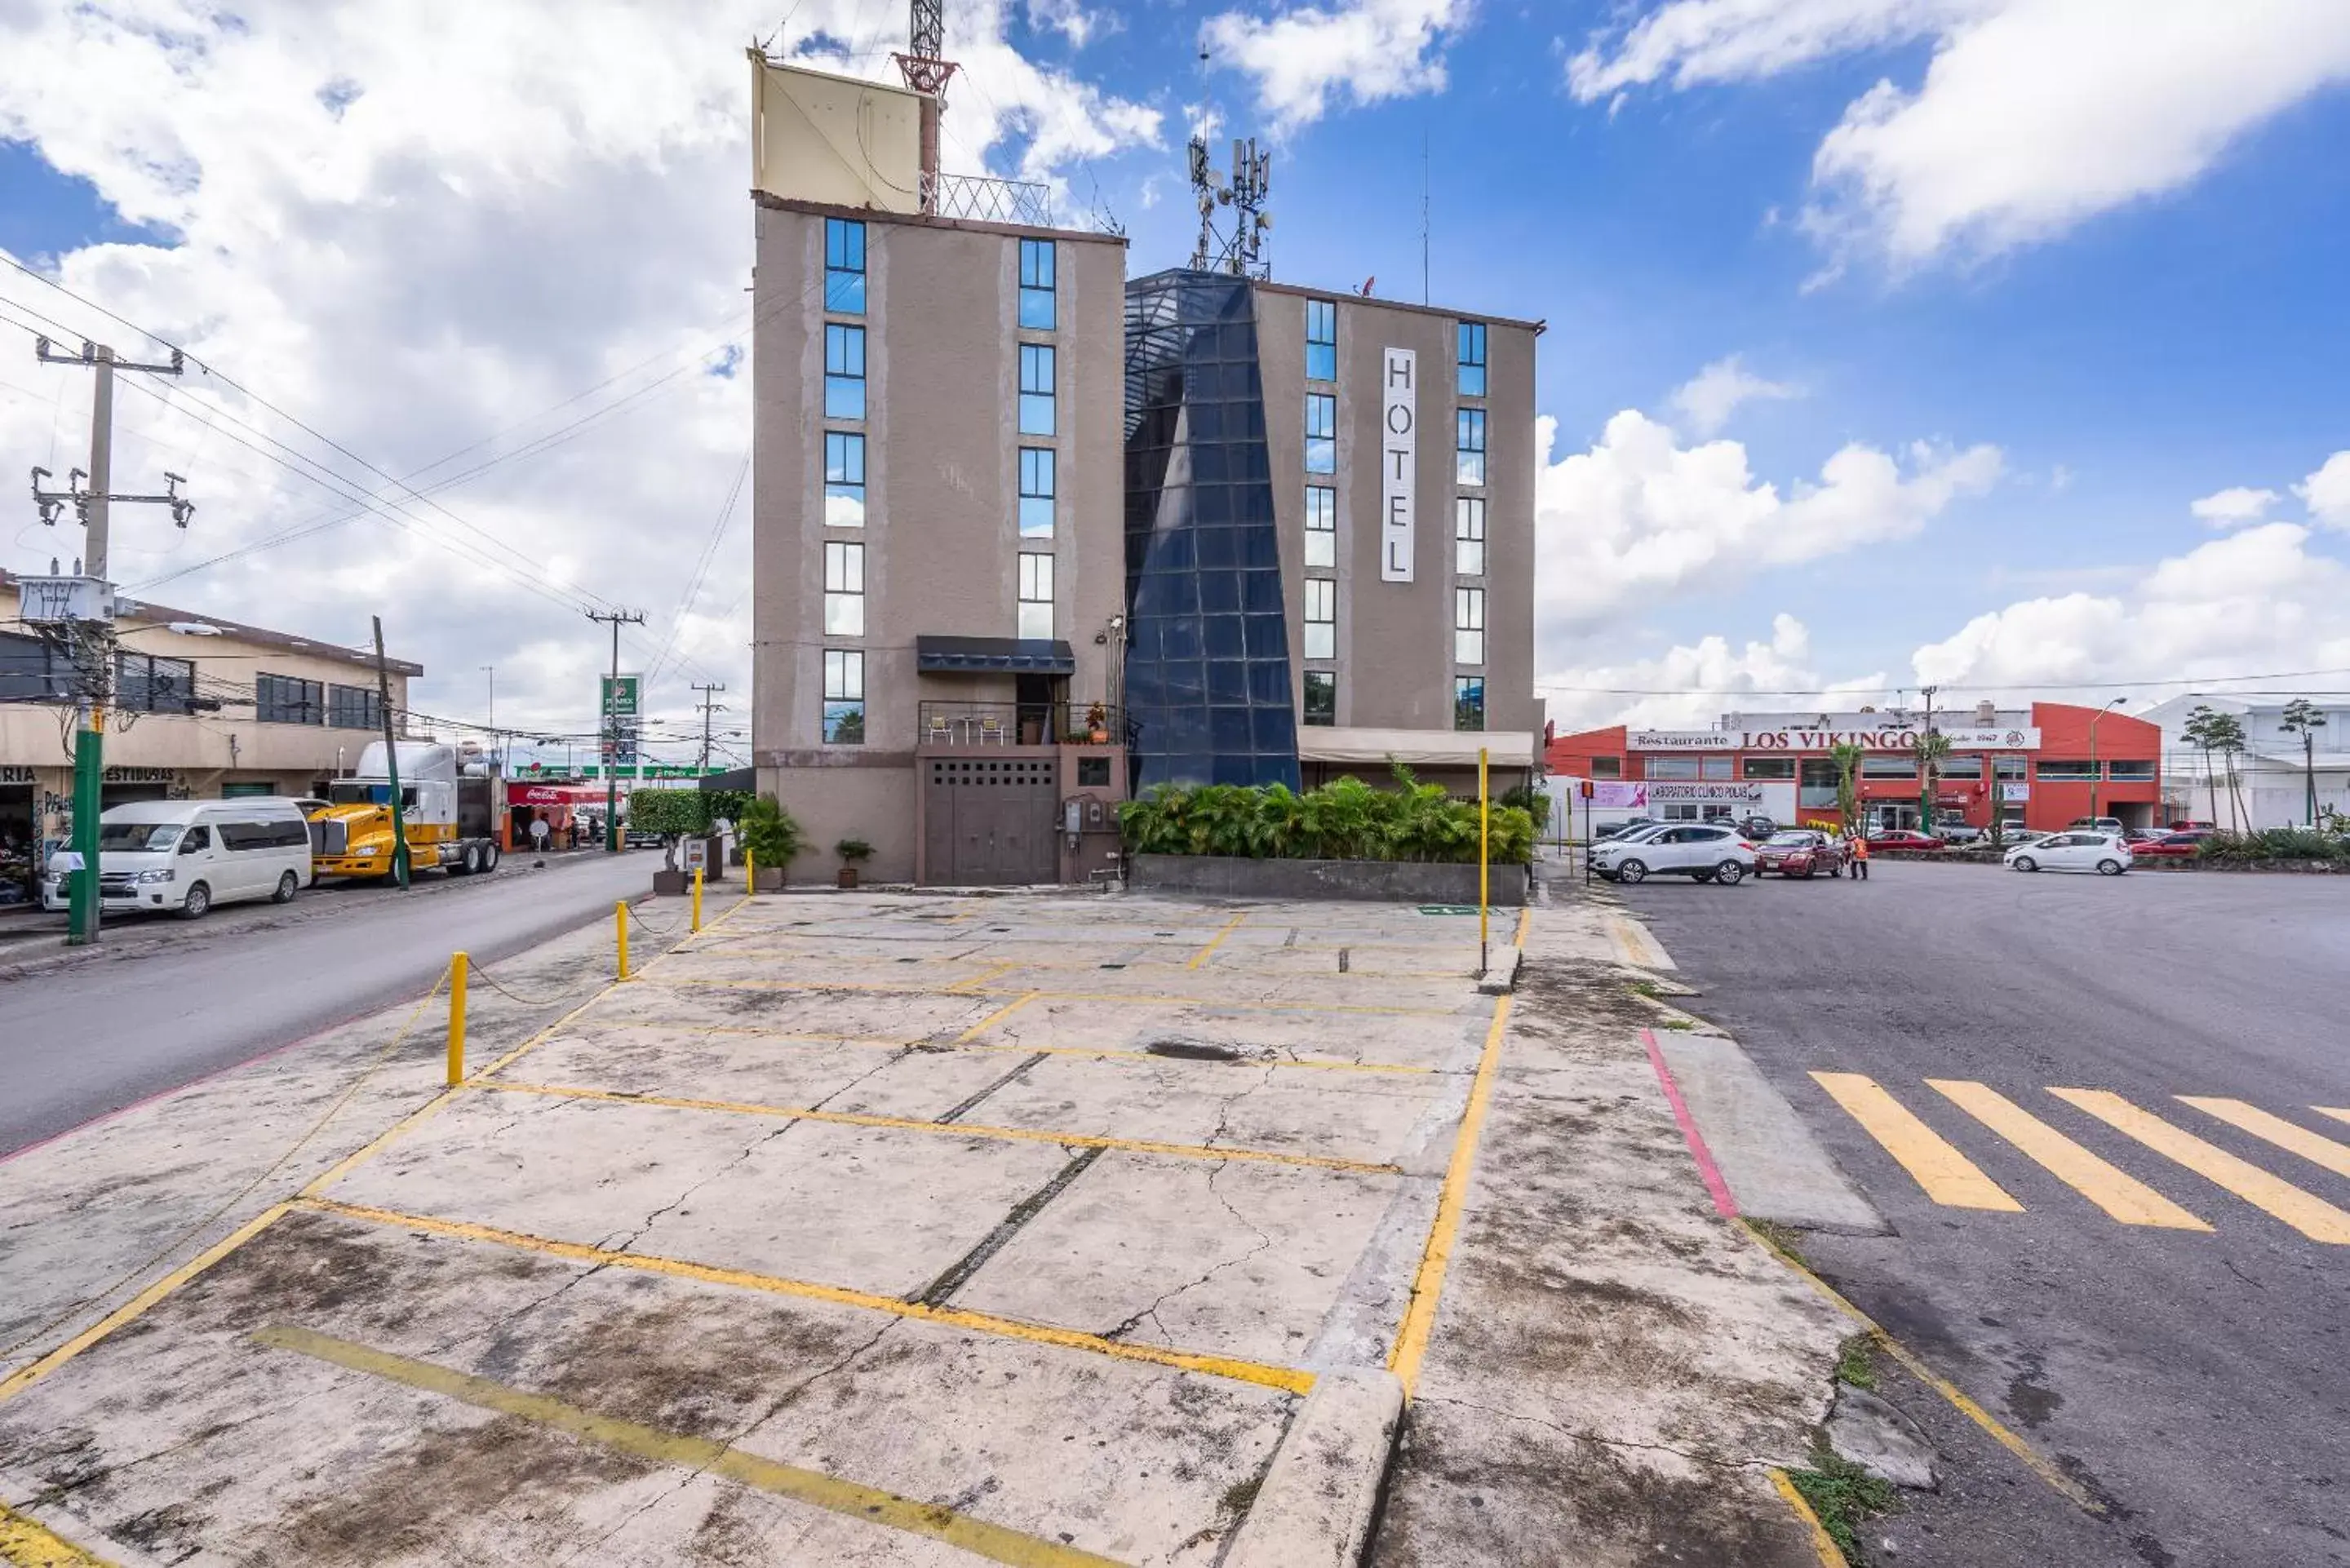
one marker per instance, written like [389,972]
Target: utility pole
[1925,766]
[496,741]
[707,708]
[93,639]
[618,618]
[401,870]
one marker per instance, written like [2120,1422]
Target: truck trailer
[454,813]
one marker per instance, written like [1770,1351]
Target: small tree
[2301,717]
[1932,749]
[2224,733]
[1848,756]
[2199,732]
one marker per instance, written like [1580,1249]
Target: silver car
[1707,852]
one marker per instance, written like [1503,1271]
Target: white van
[185,856]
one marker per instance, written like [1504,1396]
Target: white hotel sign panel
[1399,460]
[1886,739]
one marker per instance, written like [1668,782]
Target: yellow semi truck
[453,812]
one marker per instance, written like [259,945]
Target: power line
[1851,690]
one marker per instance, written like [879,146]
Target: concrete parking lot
[1052,1208]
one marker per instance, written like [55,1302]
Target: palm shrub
[2273,844]
[1533,802]
[770,835]
[1346,819]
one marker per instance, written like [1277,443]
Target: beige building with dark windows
[1029,536]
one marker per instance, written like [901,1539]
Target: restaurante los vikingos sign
[1888,738]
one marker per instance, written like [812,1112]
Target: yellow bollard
[750,873]
[457,962]
[1484,841]
[697,900]
[620,921]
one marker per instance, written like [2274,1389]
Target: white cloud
[1708,398]
[2033,115]
[1639,516]
[414,232]
[2258,601]
[1691,685]
[1362,51]
[1070,19]
[2234,506]
[2326,493]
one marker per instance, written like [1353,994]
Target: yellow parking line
[1525,919]
[2313,1217]
[1295,1380]
[1131,998]
[2338,1115]
[1427,1285]
[973,982]
[25,1543]
[2324,1151]
[935,1521]
[955,1129]
[26,1375]
[2123,1196]
[1824,1545]
[1949,1177]
[995,1018]
[900,1043]
[1216,941]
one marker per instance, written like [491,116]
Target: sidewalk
[1616,1369]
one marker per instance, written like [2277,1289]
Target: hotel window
[1472,358]
[282,700]
[1321,340]
[1321,697]
[1469,535]
[1467,702]
[1771,769]
[1467,626]
[844,267]
[1321,525]
[1036,489]
[844,697]
[1036,596]
[1469,466]
[1037,369]
[844,371]
[844,590]
[1321,618]
[1321,433]
[1036,300]
[844,479]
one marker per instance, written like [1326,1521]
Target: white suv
[2107,854]
[1703,850]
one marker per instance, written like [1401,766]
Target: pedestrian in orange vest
[1860,856]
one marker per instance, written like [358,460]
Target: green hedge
[2274,844]
[1343,820]
[675,812]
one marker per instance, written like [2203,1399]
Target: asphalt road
[171,1002]
[2198,1381]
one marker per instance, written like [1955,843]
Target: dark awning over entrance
[1025,655]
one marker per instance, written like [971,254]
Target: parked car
[1618,830]
[186,856]
[1706,851]
[1904,838]
[2194,827]
[2137,836]
[1958,832]
[2109,826]
[2107,854]
[2171,845]
[1803,852]
[1758,827]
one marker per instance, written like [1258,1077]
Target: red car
[2173,844]
[1904,838]
[1801,852]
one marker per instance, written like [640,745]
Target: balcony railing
[1019,724]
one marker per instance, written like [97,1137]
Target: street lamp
[2095,773]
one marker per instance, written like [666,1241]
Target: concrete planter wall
[1380,881]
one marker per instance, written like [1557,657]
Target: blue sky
[2020,281]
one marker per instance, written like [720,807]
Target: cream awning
[1416,748]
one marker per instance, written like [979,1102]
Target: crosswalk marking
[2339,1115]
[1949,1177]
[2324,1151]
[2123,1197]
[2313,1217]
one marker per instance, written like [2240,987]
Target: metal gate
[989,821]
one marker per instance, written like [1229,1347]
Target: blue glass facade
[1207,664]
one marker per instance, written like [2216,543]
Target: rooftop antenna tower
[1242,253]
[927,73]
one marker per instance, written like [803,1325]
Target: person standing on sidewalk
[1860,857]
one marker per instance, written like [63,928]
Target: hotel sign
[1888,738]
[1398,457]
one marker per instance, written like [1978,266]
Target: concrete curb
[1501,977]
[1315,1506]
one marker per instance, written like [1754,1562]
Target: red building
[2043,767]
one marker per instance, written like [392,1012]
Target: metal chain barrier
[482,977]
[173,1245]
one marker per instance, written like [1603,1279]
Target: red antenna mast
[928,74]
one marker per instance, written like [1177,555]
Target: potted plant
[1097,724]
[852,850]
[771,837]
